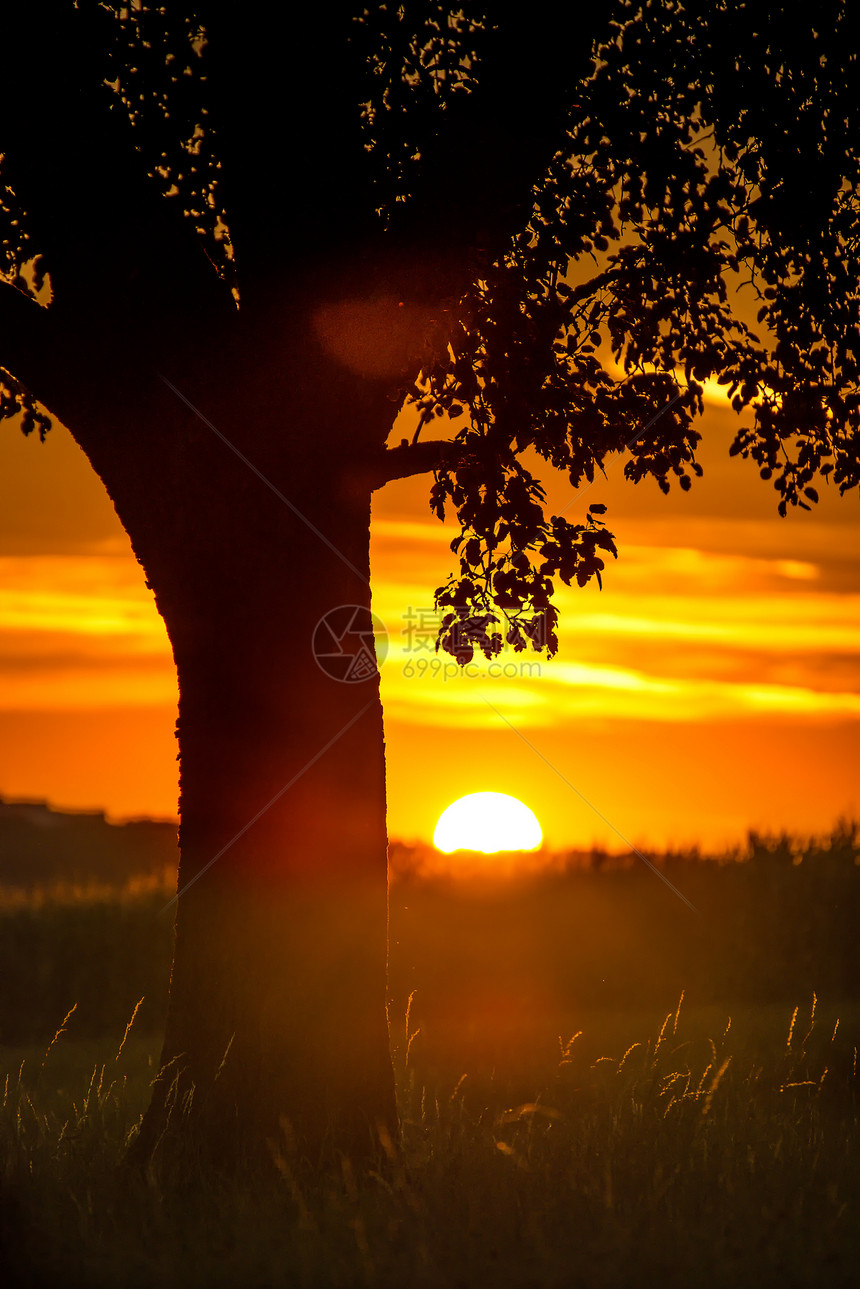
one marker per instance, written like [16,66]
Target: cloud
[679,634]
[89,594]
[80,631]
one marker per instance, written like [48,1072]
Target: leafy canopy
[695,153]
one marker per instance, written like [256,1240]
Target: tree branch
[311,201]
[109,239]
[495,142]
[24,333]
[284,98]
[413,458]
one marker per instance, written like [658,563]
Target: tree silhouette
[235,249]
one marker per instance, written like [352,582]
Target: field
[568,1118]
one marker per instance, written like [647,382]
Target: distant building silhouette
[41,845]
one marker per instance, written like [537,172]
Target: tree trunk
[277,1034]
[277,1016]
[277,1007]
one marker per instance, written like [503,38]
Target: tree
[224,238]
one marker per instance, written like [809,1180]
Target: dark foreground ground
[565,1121]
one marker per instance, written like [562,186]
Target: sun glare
[487,822]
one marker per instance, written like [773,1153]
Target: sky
[711,687]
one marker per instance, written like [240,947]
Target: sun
[487,822]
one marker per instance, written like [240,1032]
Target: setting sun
[488,822]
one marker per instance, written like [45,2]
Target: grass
[687,1157]
[565,1121]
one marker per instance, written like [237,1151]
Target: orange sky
[713,685]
